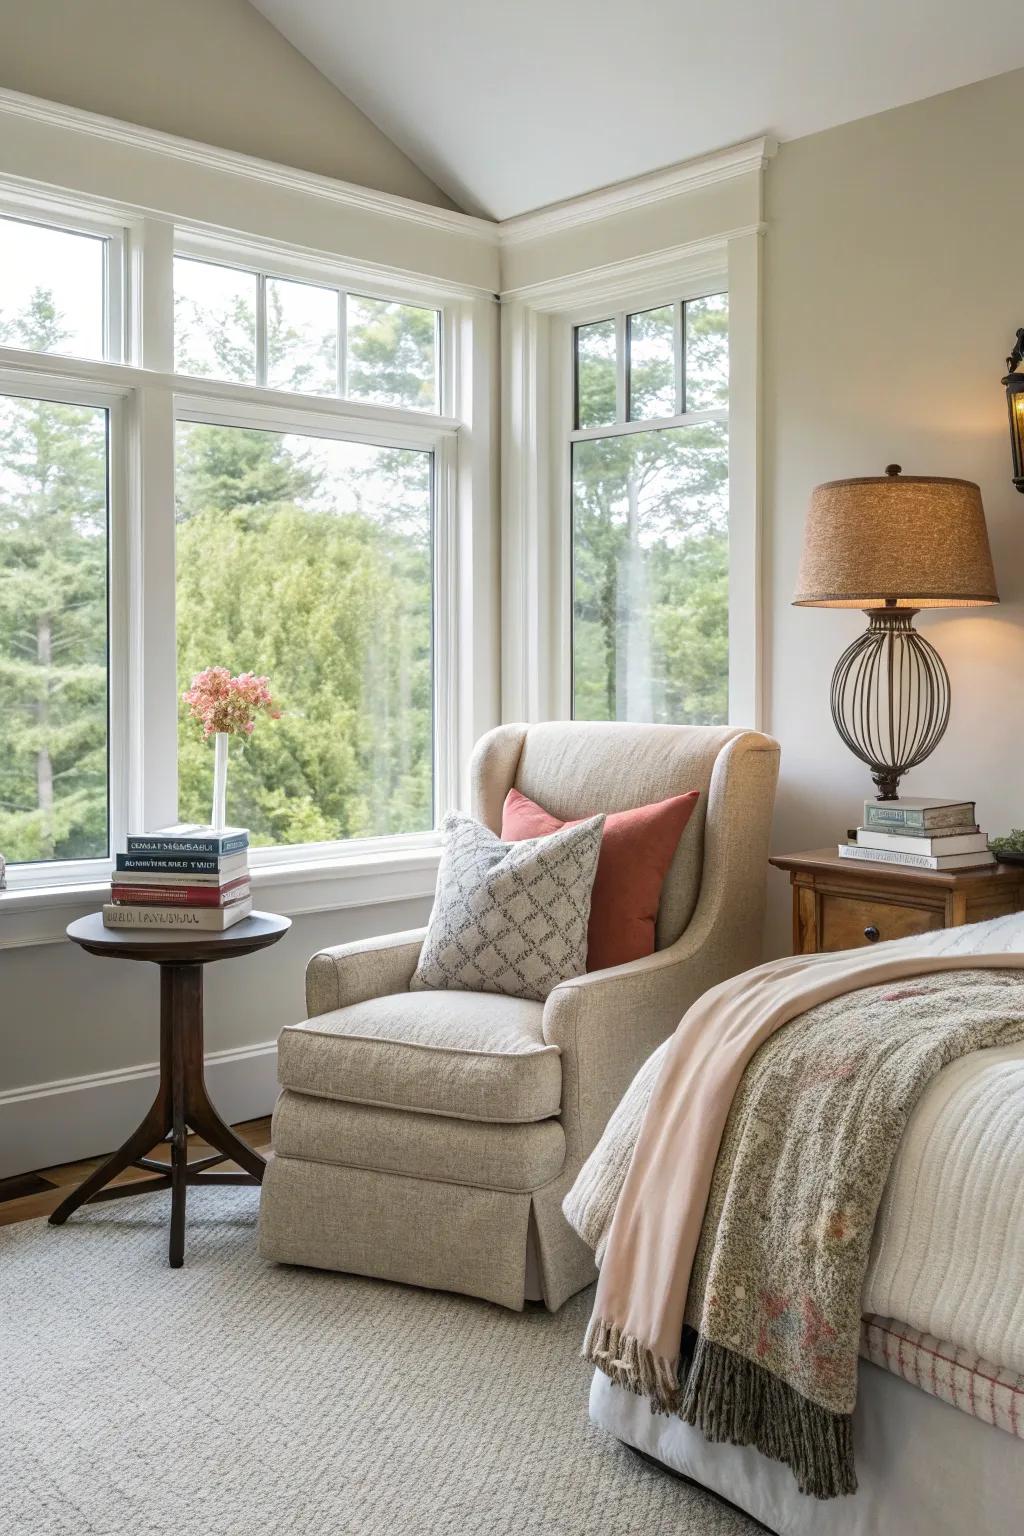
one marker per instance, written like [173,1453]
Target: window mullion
[261,328]
[154,693]
[621,368]
[151,296]
[679,351]
[342,343]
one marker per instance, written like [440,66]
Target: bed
[939,1418]
[924,1467]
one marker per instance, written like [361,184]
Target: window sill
[40,914]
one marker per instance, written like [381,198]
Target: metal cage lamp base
[890,697]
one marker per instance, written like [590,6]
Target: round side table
[182,1102]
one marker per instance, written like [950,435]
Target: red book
[180,895]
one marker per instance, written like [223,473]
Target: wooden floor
[36,1194]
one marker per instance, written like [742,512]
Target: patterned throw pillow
[509,917]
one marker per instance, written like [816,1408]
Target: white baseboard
[78,1117]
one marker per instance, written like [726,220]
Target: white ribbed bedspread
[948,1251]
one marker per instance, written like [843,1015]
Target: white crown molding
[621,197]
[625,279]
[56,115]
[624,196]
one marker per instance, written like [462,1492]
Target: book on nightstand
[915,860]
[918,815]
[919,834]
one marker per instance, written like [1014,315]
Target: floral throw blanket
[772,1320]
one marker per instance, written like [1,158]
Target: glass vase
[220,780]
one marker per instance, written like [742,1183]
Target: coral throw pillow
[636,850]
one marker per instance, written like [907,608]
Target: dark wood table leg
[181,999]
[182,1104]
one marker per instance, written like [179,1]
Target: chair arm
[608,1022]
[353,973]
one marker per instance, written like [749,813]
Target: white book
[234,869]
[933,844]
[915,860]
[185,919]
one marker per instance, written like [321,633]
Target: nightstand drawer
[846,922]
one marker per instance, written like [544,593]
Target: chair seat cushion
[461,1054]
[463,1152]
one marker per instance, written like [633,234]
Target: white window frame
[538,326]
[146,398]
[563,335]
[440,442]
[14,383]
[268,261]
[67,216]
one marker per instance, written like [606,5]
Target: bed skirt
[924,1468]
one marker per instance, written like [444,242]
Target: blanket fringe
[632,1365]
[733,1399]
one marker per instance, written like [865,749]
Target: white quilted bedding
[948,1252]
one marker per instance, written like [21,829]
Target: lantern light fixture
[1014,386]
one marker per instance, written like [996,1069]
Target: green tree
[316,572]
[392,353]
[650,546]
[323,583]
[53,620]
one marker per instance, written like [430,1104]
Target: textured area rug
[238,1398]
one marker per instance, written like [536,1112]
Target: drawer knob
[871,933]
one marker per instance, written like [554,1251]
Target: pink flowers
[221,702]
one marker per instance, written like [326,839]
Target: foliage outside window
[304,549]
[309,559]
[52,289]
[244,326]
[53,615]
[650,502]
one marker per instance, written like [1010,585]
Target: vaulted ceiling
[511,106]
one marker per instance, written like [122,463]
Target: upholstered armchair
[430,1137]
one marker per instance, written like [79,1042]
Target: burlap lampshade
[918,540]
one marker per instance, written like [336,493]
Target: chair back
[579,768]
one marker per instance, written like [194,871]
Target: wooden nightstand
[840,903]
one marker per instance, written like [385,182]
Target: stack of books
[919,833]
[188,877]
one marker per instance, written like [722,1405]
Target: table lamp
[893,544]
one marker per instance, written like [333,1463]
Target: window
[215,321]
[53,290]
[268,484]
[310,559]
[245,326]
[650,505]
[53,629]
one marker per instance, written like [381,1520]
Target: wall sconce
[1014,386]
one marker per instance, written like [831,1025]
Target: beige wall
[213,70]
[894,283]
